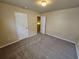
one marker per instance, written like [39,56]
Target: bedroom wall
[63,23]
[8,26]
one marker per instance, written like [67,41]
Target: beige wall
[63,23]
[0,25]
[8,25]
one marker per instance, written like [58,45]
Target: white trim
[62,38]
[33,34]
[16,41]
[77,50]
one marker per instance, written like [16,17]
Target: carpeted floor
[40,47]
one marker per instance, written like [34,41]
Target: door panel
[21,25]
[43,24]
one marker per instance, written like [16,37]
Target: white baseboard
[77,50]
[62,38]
[32,34]
[17,41]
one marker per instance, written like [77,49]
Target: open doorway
[41,24]
[38,24]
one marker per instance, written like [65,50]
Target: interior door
[21,25]
[43,24]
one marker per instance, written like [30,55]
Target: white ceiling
[51,4]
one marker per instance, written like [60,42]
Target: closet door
[21,25]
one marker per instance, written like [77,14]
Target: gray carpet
[39,47]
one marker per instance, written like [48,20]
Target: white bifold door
[21,25]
